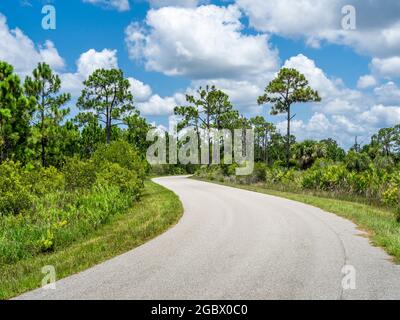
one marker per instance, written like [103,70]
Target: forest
[63,176]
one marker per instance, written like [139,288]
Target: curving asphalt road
[236,244]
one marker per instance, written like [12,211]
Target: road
[237,244]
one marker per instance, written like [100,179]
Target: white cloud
[382,116]
[158,106]
[366,81]
[340,106]
[120,5]
[378,22]
[88,62]
[316,77]
[19,50]
[174,3]
[389,67]
[92,60]
[343,113]
[203,43]
[388,93]
[336,97]
[140,91]
[242,93]
[320,126]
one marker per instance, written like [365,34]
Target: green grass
[157,210]
[379,223]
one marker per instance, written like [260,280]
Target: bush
[45,180]
[15,195]
[125,180]
[259,173]
[51,209]
[79,174]
[124,154]
[357,161]
[168,170]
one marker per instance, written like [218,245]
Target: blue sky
[170,47]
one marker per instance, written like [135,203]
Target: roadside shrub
[125,180]
[259,172]
[124,154]
[229,170]
[391,196]
[79,174]
[167,170]
[15,195]
[357,161]
[44,180]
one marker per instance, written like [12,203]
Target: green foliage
[44,180]
[48,115]
[79,174]
[356,161]
[127,181]
[211,108]
[289,87]
[374,184]
[15,195]
[168,170]
[107,96]
[122,153]
[44,209]
[15,115]
[136,132]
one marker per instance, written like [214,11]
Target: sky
[169,48]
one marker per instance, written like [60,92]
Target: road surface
[237,244]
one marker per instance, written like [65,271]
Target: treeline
[61,177]
[370,172]
[36,126]
[37,130]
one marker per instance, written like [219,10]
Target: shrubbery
[42,209]
[15,195]
[354,177]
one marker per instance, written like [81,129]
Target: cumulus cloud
[378,22]
[19,50]
[316,77]
[343,113]
[88,62]
[140,90]
[92,60]
[382,116]
[175,3]
[332,90]
[120,5]
[366,81]
[389,67]
[203,43]
[159,106]
[388,93]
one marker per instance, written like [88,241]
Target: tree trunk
[108,133]
[266,147]
[108,126]
[42,140]
[288,139]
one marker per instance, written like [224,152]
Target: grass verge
[379,223]
[157,210]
